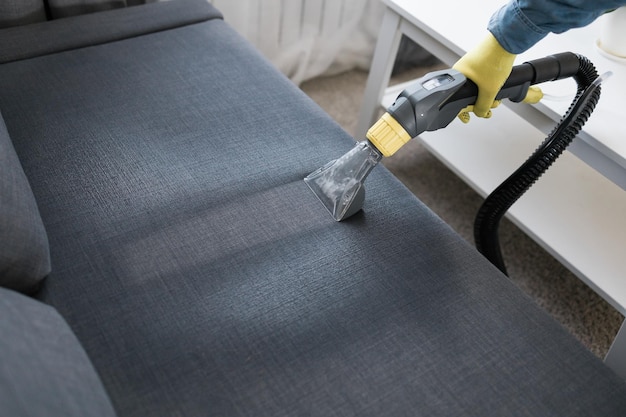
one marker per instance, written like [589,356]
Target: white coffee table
[577,210]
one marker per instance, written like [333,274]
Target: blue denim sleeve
[520,24]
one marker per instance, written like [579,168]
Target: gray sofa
[160,254]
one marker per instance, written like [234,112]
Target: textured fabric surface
[21,12]
[96,28]
[43,369]
[24,254]
[204,278]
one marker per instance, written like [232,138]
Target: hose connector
[387,135]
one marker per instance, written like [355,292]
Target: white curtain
[308,38]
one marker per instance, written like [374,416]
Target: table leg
[380,71]
[616,357]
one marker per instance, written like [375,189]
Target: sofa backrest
[57,35]
[22,12]
[66,8]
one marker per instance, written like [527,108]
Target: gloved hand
[488,65]
[533,96]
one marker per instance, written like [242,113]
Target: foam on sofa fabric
[66,8]
[44,370]
[24,252]
[21,12]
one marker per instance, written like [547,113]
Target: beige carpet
[592,320]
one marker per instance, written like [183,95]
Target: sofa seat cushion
[204,278]
[24,253]
[44,371]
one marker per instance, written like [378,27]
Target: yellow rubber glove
[533,96]
[488,65]
[464,114]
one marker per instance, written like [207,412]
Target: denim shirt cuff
[514,31]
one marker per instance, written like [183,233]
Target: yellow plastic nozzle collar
[387,135]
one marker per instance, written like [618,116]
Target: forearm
[520,24]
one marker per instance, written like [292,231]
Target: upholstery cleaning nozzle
[339,183]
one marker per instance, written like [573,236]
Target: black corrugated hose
[506,194]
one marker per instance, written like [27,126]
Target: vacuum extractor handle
[435,100]
[550,68]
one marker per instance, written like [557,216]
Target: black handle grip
[417,111]
[550,68]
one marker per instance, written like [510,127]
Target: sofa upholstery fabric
[44,371]
[96,28]
[175,205]
[21,12]
[24,253]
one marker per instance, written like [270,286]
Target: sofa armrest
[24,250]
[44,370]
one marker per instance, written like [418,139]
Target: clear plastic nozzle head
[339,183]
